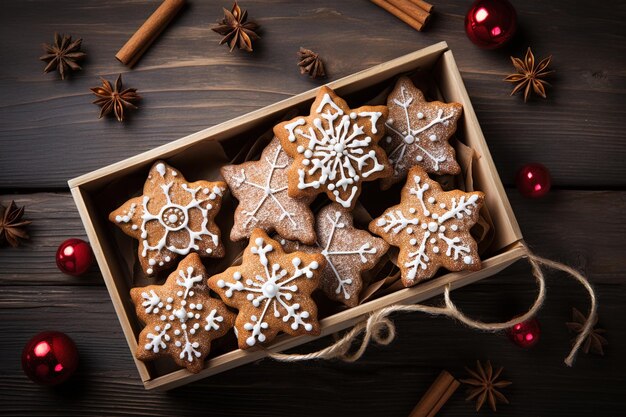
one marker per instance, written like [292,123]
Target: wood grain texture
[49,132]
[387,381]
[190,82]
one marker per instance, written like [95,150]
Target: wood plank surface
[387,381]
[49,132]
[189,82]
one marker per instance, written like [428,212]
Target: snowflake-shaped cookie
[173,217]
[418,132]
[272,291]
[181,318]
[348,252]
[335,148]
[431,227]
[261,188]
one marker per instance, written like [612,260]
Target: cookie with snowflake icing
[418,132]
[261,188]
[348,252]
[272,291]
[431,227]
[173,217]
[181,318]
[335,148]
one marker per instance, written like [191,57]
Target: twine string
[379,327]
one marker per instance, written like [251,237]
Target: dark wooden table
[49,132]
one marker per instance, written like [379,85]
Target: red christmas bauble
[50,358]
[533,180]
[490,23]
[525,334]
[74,257]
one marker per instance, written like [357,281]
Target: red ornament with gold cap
[533,180]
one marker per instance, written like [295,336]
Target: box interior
[200,156]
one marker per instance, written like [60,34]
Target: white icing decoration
[274,289]
[339,151]
[128,216]
[434,230]
[411,136]
[161,169]
[268,192]
[159,340]
[362,251]
[174,217]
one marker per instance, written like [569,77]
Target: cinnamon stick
[412,10]
[135,47]
[384,4]
[421,3]
[436,396]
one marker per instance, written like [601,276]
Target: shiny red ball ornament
[490,23]
[74,257]
[533,180]
[525,334]
[50,358]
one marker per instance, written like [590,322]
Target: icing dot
[152,262]
[432,226]
[134,227]
[413,242]
[118,218]
[424,225]
[161,169]
[420,115]
[419,158]
[167,259]
[435,249]
[300,149]
[412,210]
[432,138]
[306,162]
[237,275]
[431,200]
[205,191]
[409,139]
[409,230]
[433,240]
[381,222]
[209,250]
[442,228]
[308,153]
[174,173]
[314,265]
[388,139]
[454,227]
[467,260]
[149,271]
[435,216]
[353,115]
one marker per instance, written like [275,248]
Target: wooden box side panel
[485,172]
[117,287]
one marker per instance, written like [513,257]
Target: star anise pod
[63,55]
[11,225]
[530,76]
[310,63]
[595,341]
[484,385]
[236,30]
[114,99]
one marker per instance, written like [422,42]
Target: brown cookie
[335,148]
[261,188]
[418,132]
[348,252]
[272,291]
[181,318]
[173,217]
[431,227]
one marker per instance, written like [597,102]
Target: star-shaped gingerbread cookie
[173,217]
[272,291]
[335,148]
[418,132]
[261,188]
[431,227]
[181,318]
[348,251]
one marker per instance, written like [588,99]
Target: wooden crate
[90,190]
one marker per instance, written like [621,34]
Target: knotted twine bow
[379,328]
